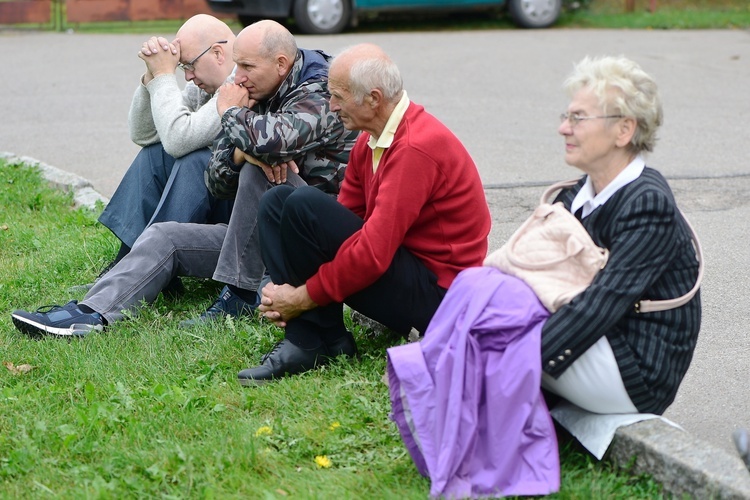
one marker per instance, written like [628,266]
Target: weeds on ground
[149,410]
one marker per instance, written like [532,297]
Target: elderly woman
[598,351]
[468,400]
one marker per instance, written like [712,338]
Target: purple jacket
[467,398]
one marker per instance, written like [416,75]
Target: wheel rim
[325,14]
[539,10]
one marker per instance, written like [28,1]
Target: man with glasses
[175,128]
[277,128]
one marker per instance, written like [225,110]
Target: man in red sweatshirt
[411,214]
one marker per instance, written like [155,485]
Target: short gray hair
[276,39]
[622,87]
[375,73]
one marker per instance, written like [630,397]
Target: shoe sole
[324,360]
[210,320]
[251,382]
[33,328]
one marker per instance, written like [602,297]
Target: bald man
[410,216]
[276,128]
[175,128]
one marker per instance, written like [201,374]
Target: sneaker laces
[105,270]
[49,308]
[221,306]
[218,308]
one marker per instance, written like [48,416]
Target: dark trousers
[303,228]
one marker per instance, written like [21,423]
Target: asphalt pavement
[66,98]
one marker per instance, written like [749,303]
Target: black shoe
[284,359]
[174,289]
[228,304]
[288,359]
[343,345]
[61,321]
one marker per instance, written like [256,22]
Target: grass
[668,14]
[146,410]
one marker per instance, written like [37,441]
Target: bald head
[264,54]
[198,39]
[268,39]
[366,67]
[202,31]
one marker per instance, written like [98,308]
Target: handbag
[554,254]
[551,252]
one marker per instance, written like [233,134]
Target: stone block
[683,464]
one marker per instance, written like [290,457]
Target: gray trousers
[229,253]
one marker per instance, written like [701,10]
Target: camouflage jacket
[296,123]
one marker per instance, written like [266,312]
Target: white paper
[596,431]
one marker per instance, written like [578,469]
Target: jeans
[160,188]
[229,253]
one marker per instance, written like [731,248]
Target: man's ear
[283,64]
[220,54]
[375,98]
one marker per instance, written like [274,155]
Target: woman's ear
[626,131]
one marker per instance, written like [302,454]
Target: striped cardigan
[651,257]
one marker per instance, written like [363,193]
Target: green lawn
[147,410]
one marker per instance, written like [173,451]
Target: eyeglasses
[191,65]
[575,118]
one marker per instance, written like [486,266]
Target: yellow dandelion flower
[334,426]
[263,431]
[323,461]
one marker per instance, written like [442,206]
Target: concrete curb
[84,194]
[680,462]
[683,464]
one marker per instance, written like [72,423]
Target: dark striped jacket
[651,257]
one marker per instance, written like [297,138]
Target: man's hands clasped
[281,303]
[160,55]
[276,174]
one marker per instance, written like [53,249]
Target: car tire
[534,13]
[322,17]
